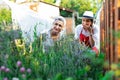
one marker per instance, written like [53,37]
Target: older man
[57,31]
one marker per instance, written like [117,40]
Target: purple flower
[19,63]
[7,70]
[29,70]
[5,78]
[22,69]
[3,68]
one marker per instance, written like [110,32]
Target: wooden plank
[116,24]
[102,31]
[118,42]
[111,31]
[107,31]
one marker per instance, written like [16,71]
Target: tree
[5,16]
[49,1]
[78,5]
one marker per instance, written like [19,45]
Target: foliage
[80,6]
[114,72]
[76,5]
[65,13]
[5,18]
[50,1]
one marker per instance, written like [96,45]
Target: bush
[71,59]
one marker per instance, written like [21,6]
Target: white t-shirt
[47,39]
[80,29]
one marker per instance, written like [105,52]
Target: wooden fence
[110,30]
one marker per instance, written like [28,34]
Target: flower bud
[3,68]
[19,63]
[7,70]
[23,75]
[29,70]
[22,69]
[5,78]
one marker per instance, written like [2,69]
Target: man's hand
[90,29]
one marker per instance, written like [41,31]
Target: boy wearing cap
[86,32]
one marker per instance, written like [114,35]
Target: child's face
[86,23]
[57,27]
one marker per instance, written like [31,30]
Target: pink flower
[7,70]
[22,69]
[29,70]
[19,63]
[3,68]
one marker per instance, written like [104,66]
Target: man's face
[57,27]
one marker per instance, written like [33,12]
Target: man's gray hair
[60,18]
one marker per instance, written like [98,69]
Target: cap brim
[85,17]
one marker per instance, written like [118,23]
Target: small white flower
[15,78]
